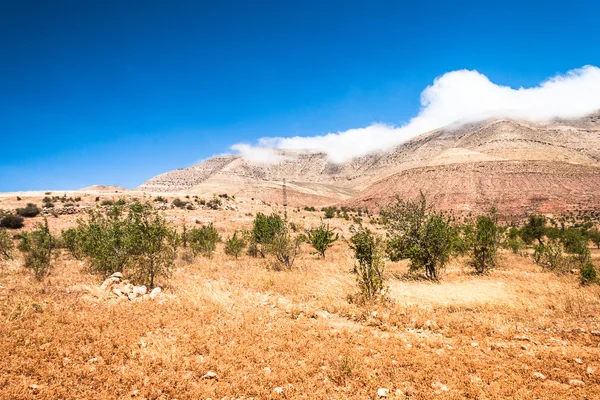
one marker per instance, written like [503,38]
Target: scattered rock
[576,382]
[155,292]
[578,360]
[440,386]
[118,275]
[539,375]
[278,390]
[209,375]
[383,392]
[475,344]
[595,333]
[590,370]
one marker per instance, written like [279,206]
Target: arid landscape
[252,200]
[236,328]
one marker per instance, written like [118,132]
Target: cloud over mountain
[456,97]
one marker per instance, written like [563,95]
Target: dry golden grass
[469,336]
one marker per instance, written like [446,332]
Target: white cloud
[455,97]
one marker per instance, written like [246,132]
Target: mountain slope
[555,159]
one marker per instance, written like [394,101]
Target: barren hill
[514,165]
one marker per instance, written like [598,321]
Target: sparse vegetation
[322,238]
[203,240]
[12,222]
[29,211]
[417,233]
[485,240]
[265,228]
[6,246]
[38,246]
[235,245]
[370,263]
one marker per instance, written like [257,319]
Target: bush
[178,203]
[70,241]
[30,211]
[484,243]
[151,244]
[594,236]
[534,229]
[101,240]
[234,245]
[284,248]
[12,222]
[203,240]
[423,236]
[588,274]
[322,238]
[6,246]
[370,263]
[264,230]
[330,212]
[107,202]
[38,246]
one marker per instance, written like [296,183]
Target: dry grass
[469,336]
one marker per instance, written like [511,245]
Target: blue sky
[115,92]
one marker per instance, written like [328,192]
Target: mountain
[515,165]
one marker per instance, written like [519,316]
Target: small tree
[38,246]
[6,246]
[102,240]
[419,234]
[264,230]
[29,211]
[594,236]
[370,263]
[534,229]
[70,241]
[330,212]
[485,242]
[234,245]
[322,238]
[284,248]
[203,240]
[149,239]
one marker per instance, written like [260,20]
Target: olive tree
[38,246]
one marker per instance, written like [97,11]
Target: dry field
[518,333]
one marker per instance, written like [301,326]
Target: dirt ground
[517,333]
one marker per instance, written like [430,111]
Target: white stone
[576,382]
[155,292]
[209,375]
[140,290]
[383,392]
[278,390]
[578,361]
[539,375]
[117,275]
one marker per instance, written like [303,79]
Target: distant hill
[514,165]
[104,189]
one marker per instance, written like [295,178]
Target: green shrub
[322,238]
[329,212]
[18,198]
[70,241]
[588,274]
[6,246]
[284,247]
[160,199]
[12,222]
[419,234]
[484,243]
[107,202]
[203,240]
[120,202]
[151,245]
[370,264]
[101,240]
[264,230]
[38,246]
[30,211]
[234,245]
[534,229]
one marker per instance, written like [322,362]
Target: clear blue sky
[115,92]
